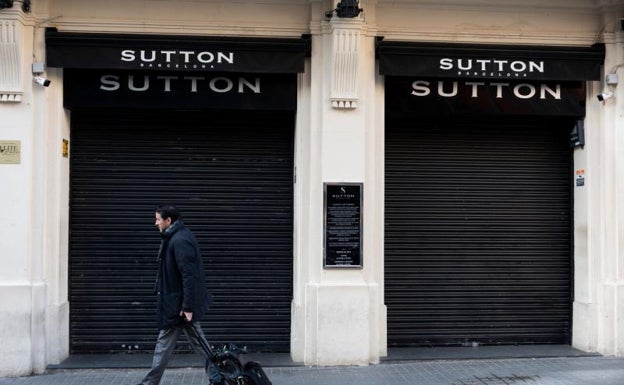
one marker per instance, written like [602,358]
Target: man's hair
[168,211]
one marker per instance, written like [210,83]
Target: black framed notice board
[342,225]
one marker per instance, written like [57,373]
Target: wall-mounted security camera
[41,81]
[604,96]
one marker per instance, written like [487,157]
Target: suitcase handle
[202,342]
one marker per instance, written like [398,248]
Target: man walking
[181,290]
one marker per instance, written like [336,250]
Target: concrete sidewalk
[140,361]
[580,370]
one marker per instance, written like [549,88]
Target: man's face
[162,224]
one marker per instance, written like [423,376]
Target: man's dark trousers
[166,343]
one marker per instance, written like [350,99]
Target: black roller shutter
[477,232]
[231,176]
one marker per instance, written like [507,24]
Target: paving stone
[537,371]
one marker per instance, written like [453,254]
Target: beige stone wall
[330,120]
[558,22]
[182,17]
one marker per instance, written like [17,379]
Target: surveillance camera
[42,81]
[604,96]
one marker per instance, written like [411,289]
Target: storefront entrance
[231,176]
[478,190]
[477,232]
[206,123]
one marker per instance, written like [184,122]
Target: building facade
[389,174]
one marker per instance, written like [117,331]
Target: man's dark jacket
[180,285]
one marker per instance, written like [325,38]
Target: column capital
[10,61]
[345,60]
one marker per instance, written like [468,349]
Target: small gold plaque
[10,151]
[65,148]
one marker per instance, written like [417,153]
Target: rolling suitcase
[255,375]
[227,361]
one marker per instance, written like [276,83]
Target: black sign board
[462,61]
[85,88]
[175,53]
[343,225]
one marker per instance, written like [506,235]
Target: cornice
[566,6]
[16,13]
[609,3]
[116,26]
[495,37]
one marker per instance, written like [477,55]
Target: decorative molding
[495,37]
[506,5]
[10,64]
[68,24]
[610,3]
[345,60]
[10,97]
